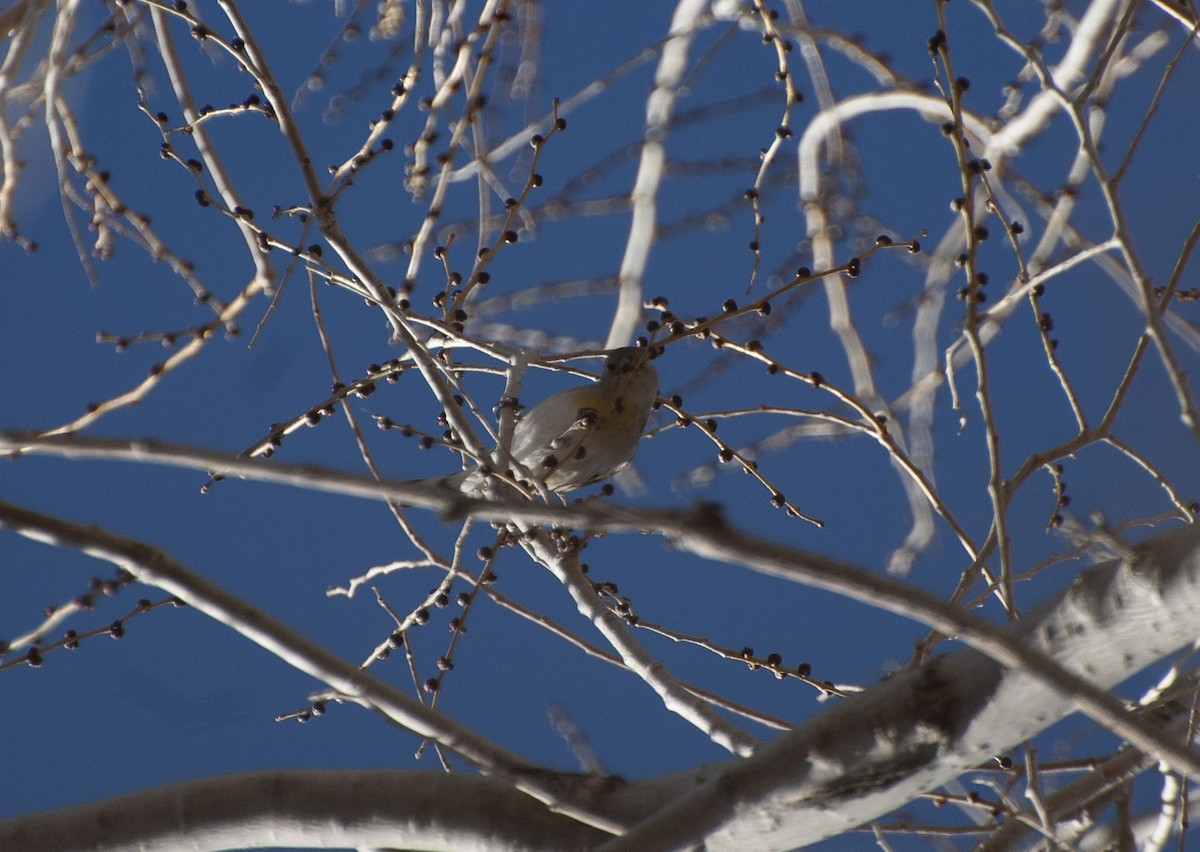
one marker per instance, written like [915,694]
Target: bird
[577,436]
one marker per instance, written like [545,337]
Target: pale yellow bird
[579,435]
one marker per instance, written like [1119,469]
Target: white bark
[329,809]
[859,759]
[919,729]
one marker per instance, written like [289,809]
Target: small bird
[579,435]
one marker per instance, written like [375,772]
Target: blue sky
[181,697]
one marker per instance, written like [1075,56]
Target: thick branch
[879,750]
[328,809]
